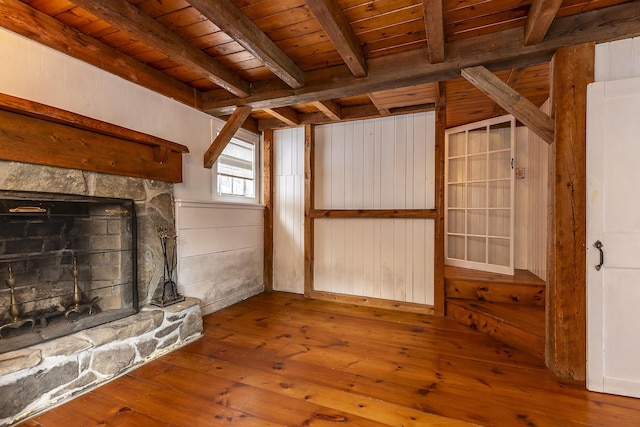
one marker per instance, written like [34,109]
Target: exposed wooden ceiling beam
[329,108]
[496,51]
[514,103]
[335,24]
[348,113]
[383,111]
[28,22]
[231,20]
[226,133]
[284,114]
[250,124]
[512,81]
[434,25]
[129,19]
[541,15]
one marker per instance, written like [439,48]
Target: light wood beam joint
[434,26]
[129,19]
[514,103]
[541,15]
[231,20]
[335,24]
[228,130]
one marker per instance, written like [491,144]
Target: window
[236,174]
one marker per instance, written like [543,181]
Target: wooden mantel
[31,132]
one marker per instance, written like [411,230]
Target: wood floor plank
[281,359]
[92,410]
[177,407]
[308,325]
[325,396]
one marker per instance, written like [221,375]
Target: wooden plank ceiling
[316,61]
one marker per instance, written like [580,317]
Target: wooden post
[309,151]
[438,244]
[267,194]
[572,70]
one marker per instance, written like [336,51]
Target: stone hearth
[34,378]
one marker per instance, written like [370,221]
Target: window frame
[254,140]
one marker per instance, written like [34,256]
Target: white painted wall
[221,252]
[288,210]
[521,195]
[617,60]
[38,73]
[537,206]
[383,163]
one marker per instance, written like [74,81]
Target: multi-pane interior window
[479,195]
[237,170]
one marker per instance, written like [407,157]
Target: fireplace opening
[67,263]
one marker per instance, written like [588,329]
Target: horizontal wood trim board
[30,140]
[68,118]
[372,302]
[374,213]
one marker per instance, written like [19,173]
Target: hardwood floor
[279,359]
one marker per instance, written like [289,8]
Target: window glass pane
[478,141]
[456,247]
[477,222]
[236,169]
[456,196]
[500,194]
[500,165]
[477,195]
[499,251]
[457,143]
[456,170]
[500,136]
[499,223]
[456,221]
[476,249]
[477,166]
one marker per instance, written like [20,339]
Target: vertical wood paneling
[617,60]
[358,166]
[369,164]
[521,219]
[288,210]
[396,262]
[387,162]
[537,178]
[376,164]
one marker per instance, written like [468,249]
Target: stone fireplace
[69,262]
[50,368]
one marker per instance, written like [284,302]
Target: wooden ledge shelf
[41,134]
[374,213]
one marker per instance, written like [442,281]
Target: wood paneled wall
[617,60]
[220,256]
[538,178]
[288,210]
[376,164]
[521,202]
